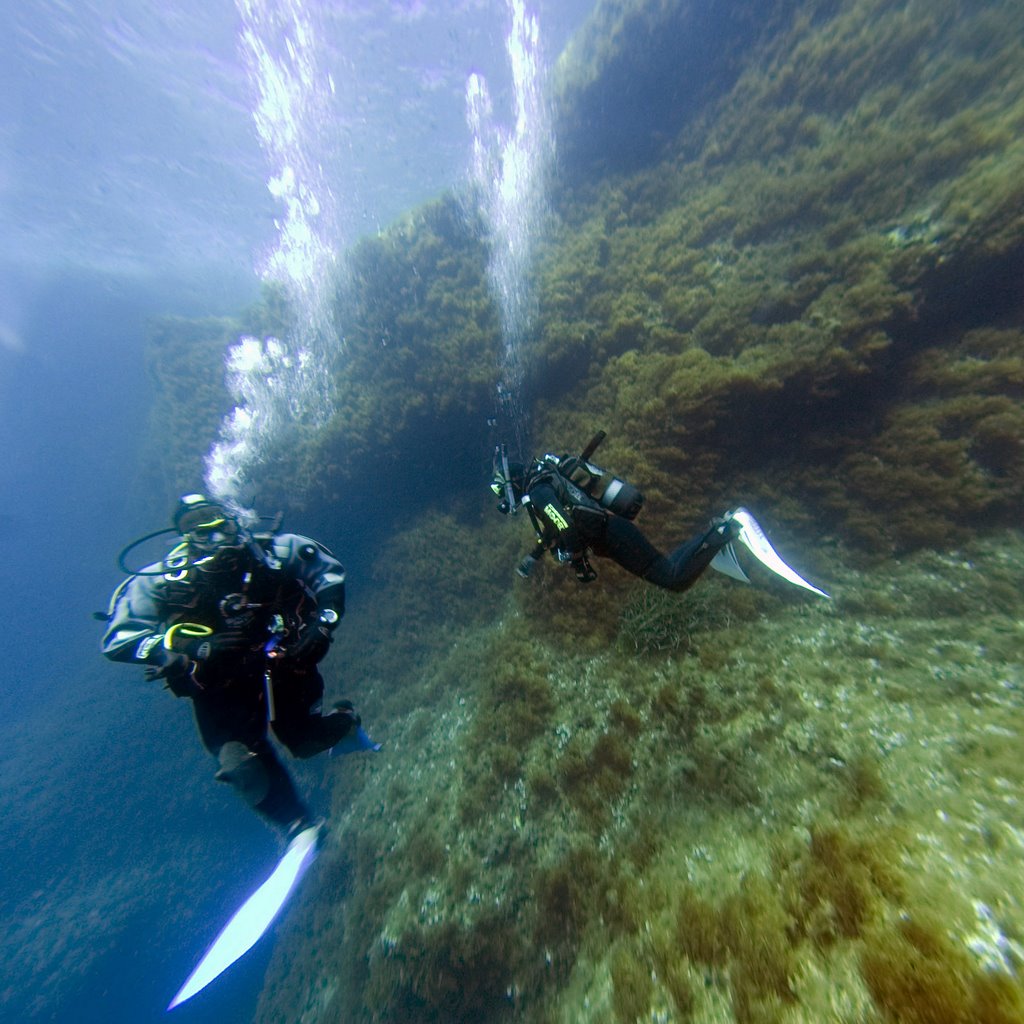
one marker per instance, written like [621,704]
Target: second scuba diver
[578,509]
[238,622]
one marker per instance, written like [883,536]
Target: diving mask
[206,525]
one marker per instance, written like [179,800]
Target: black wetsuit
[568,520]
[236,695]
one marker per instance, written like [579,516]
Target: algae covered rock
[639,70]
[798,294]
[417,366]
[798,291]
[756,302]
[186,366]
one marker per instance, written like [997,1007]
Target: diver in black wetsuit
[577,509]
[238,622]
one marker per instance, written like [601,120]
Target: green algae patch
[959,418]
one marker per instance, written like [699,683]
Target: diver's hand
[173,666]
[207,648]
[312,645]
[526,565]
[176,671]
[584,570]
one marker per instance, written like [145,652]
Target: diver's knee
[241,768]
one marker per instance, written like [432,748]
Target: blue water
[133,184]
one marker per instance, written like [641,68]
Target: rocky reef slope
[785,272]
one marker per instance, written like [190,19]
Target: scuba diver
[238,621]
[578,509]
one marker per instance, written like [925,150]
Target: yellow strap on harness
[185,629]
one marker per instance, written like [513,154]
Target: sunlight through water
[282,384]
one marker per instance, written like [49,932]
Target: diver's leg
[299,722]
[282,805]
[232,725]
[680,569]
[623,542]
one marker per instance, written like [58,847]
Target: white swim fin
[254,916]
[752,537]
[725,561]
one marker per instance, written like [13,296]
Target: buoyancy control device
[604,487]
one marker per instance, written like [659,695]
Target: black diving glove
[313,643]
[176,670]
[527,564]
[172,664]
[584,570]
[215,645]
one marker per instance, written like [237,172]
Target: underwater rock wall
[416,365]
[418,362]
[638,71]
[819,283]
[801,288]
[610,804]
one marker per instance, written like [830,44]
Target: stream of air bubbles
[510,169]
[283,384]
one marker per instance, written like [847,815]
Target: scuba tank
[608,490]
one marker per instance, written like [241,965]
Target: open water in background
[132,184]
